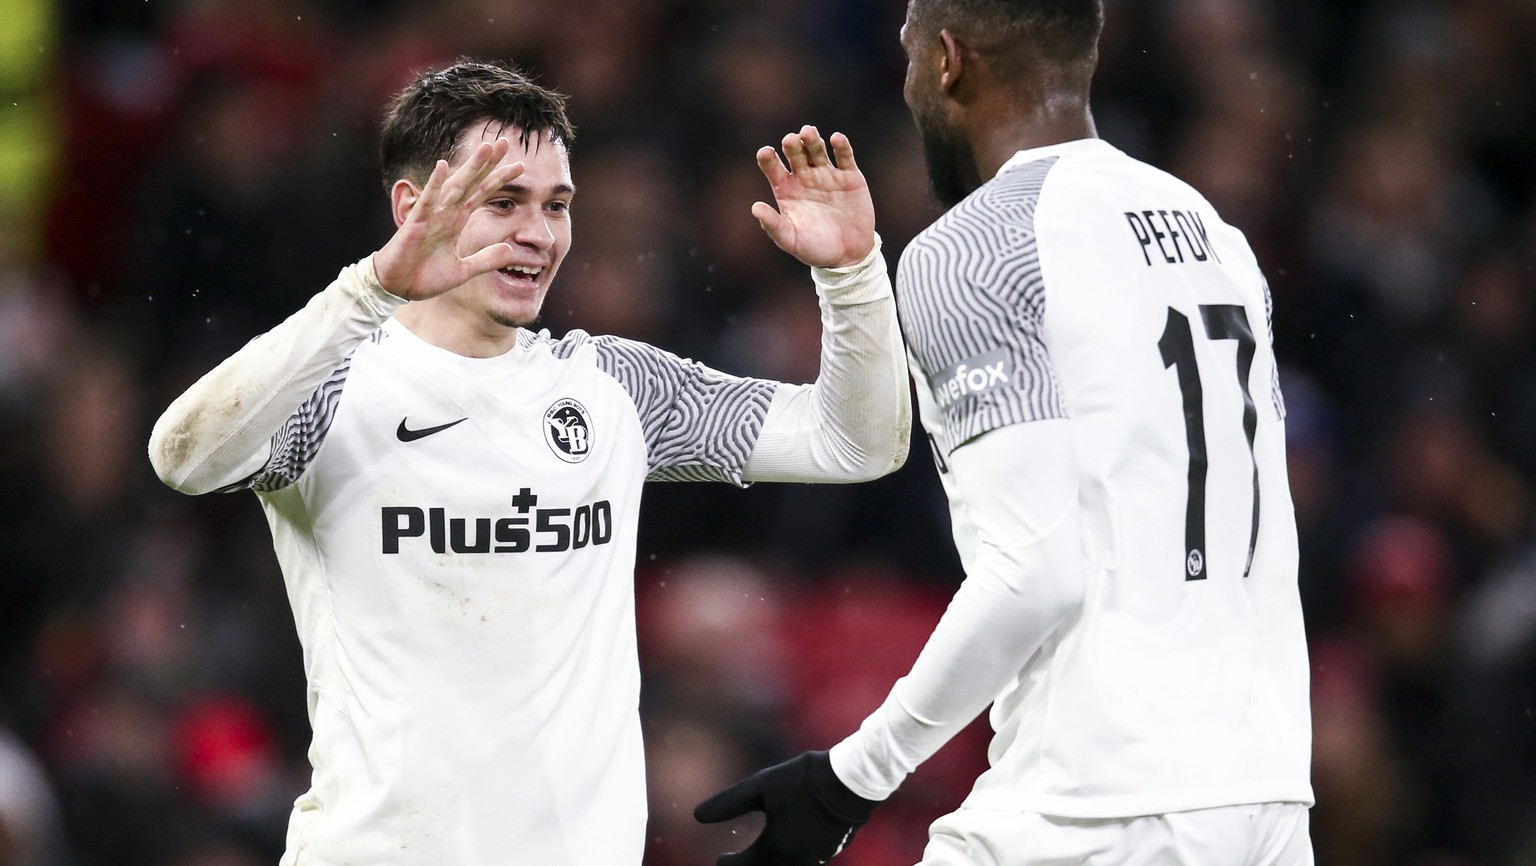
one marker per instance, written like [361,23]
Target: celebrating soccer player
[453,497]
[1093,364]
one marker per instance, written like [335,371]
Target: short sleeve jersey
[457,537]
[1081,284]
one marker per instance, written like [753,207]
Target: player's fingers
[815,147]
[739,799]
[842,148]
[500,148]
[432,191]
[491,166]
[499,177]
[488,164]
[464,184]
[772,167]
[794,151]
[458,183]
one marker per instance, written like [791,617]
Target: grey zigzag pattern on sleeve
[1269,324]
[699,424]
[969,287]
[295,444]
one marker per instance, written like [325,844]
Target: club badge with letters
[568,430]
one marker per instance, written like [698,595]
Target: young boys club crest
[568,430]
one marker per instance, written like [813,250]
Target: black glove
[811,813]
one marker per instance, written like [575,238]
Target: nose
[534,232]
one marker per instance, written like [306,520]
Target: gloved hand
[811,814]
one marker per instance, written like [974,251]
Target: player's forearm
[984,639]
[218,432]
[1024,581]
[854,423]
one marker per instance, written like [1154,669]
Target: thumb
[739,799]
[771,220]
[491,258]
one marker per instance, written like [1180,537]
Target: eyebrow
[523,189]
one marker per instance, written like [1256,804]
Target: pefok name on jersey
[539,530]
[977,375]
[1182,230]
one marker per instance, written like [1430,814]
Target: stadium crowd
[168,168]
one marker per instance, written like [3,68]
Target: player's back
[1182,681]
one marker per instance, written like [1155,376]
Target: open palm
[825,216]
[422,260]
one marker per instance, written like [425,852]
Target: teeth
[524,269]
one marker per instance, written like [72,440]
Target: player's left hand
[811,814]
[825,217]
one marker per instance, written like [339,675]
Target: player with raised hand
[1093,366]
[454,497]
[422,259]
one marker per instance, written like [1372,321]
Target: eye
[501,204]
[560,206]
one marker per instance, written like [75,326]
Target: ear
[402,197]
[952,63]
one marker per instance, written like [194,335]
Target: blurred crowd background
[178,175]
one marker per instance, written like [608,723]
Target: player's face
[950,160]
[532,213]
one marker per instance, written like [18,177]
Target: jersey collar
[1076,146]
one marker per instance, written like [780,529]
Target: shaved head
[1020,37]
[977,66]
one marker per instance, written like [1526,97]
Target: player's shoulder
[1090,174]
[1034,185]
[1096,188]
[577,343]
[1004,203]
[635,364]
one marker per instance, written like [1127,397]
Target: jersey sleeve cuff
[363,282]
[859,774]
[855,284]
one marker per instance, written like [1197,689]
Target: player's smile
[527,275]
[522,280]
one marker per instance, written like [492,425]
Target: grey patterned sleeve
[699,424]
[971,298]
[295,444]
[1269,324]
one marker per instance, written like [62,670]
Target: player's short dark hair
[1018,33]
[427,118]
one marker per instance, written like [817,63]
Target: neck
[438,323]
[1010,127]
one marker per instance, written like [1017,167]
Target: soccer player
[453,497]
[1091,351]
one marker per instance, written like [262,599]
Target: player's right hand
[423,259]
[811,815]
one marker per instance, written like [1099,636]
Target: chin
[949,159]
[518,314]
[515,320]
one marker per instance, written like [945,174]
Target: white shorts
[1263,834]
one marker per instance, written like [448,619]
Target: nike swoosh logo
[406,434]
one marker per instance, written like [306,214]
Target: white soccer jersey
[1104,302]
[459,548]
[457,536]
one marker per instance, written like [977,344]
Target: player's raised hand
[811,815]
[825,217]
[423,260]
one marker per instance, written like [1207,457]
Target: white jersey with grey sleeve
[1093,366]
[457,537]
